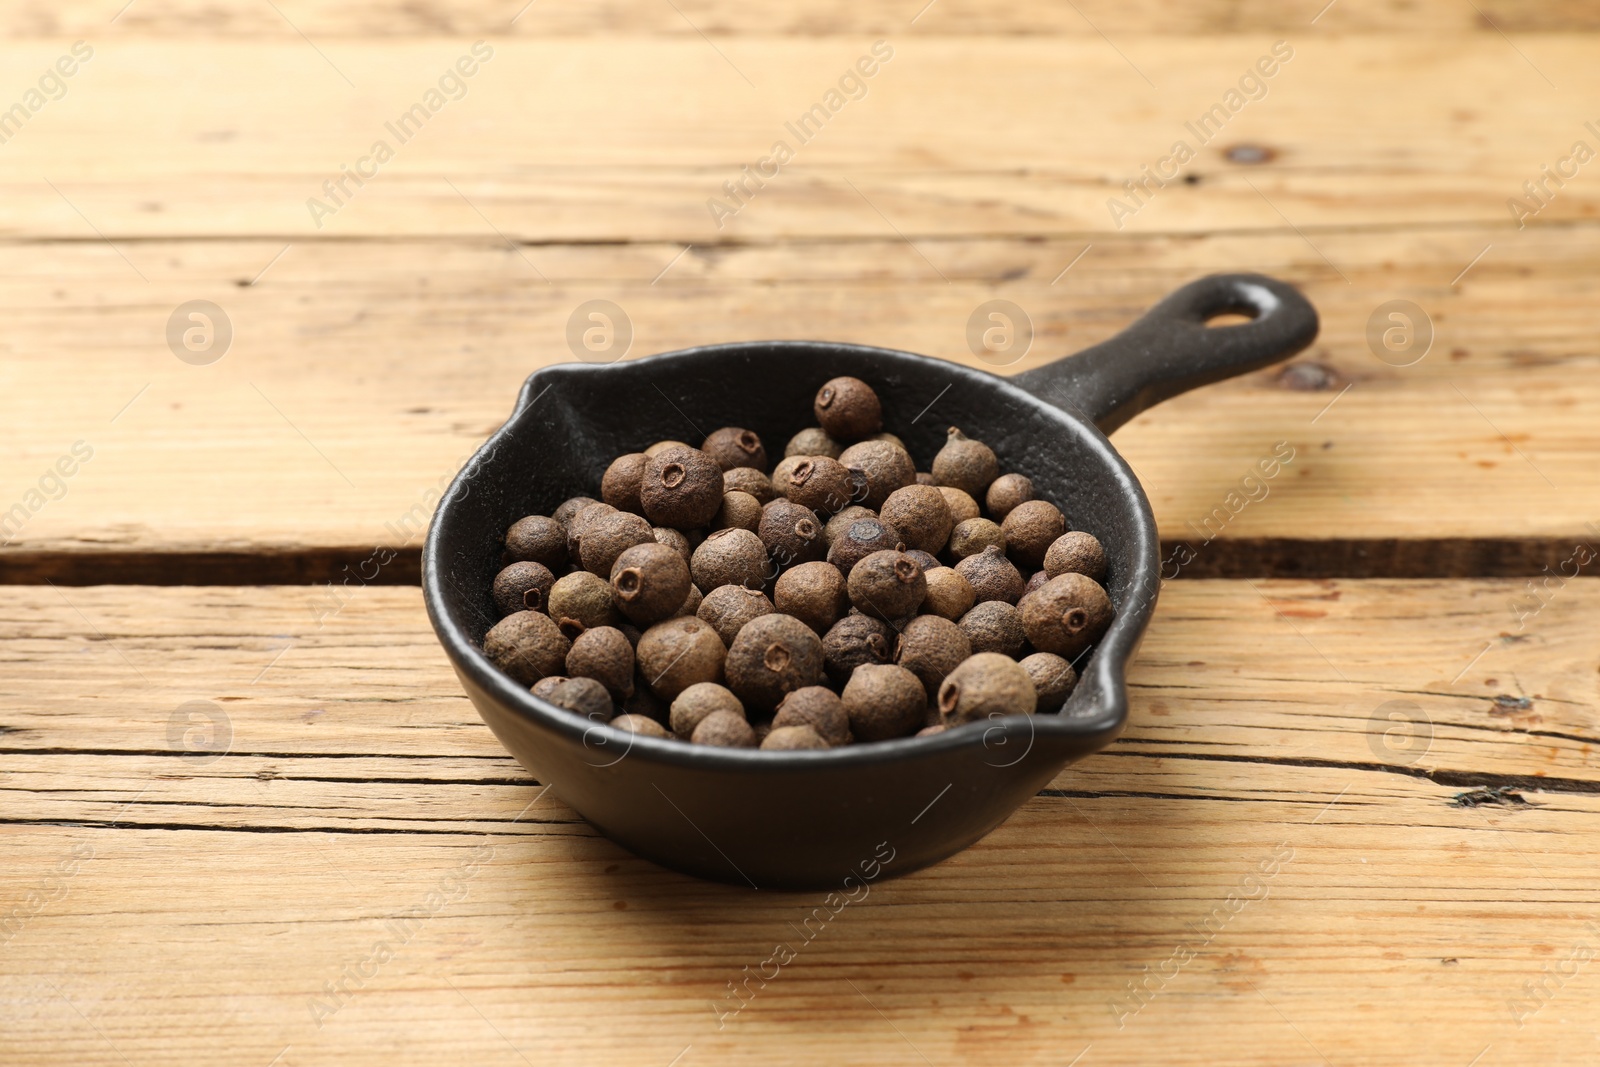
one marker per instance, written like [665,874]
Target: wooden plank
[1391,897]
[628,139]
[363,374]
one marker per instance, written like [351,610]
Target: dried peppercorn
[661,446]
[818,707]
[537,539]
[792,739]
[748,480]
[691,603]
[675,654]
[991,576]
[962,506]
[972,536]
[585,696]
[986,685]
[522,587]
[854,640]
[813,441]
[673,539]
[579,523]
[1005,493]
[1035,581]
[887,585]
[1053,679]
[527,646]
[860,540]
[649,582]
[547,685]
[727,608]
[730,557]
[921,515]
[931,647]
[842,521]
[606,537]
[690,707]
[824,485]
[733,446]
[814,593]
[1076,552]
[995,626]
[772,656]
[724,730]
[950,596]
[642,725]
[1030,529]
[585,598]
[605,655]
[883,702]
[848,409]
[791,533]
[883,467]
[682,487]
[619,487]
[966,464]
[739,511]
[1066,615]
[568,509]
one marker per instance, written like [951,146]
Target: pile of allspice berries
[839,597]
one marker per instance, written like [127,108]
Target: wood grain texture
[212,903]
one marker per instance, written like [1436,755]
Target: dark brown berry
[537,539]
[818,707]
[675,654]
[843,520]
[887,585]
[605,655]
[585,696]
[854,640]
[814,593]
[579,523]
[924,478]
[791,533]
[792,739]
[995,626]
[950,596]
[527,646]
[748,480]
[848,409]
[1005,493]
[1035,582]
[884,466]
[991,576]
[1067,615]
[966,464]
[649,582]
[522,587]
[739,511]
[661,446]
[643,701]
[682,487]
[585,598]
[962,506]
[932,731]
[620,485]
[642,725]
[691,706]
[691,603]
[732,447]
[988,684]
[930,648]
[608,536]
[727,608]
[730,557]
[724,730]
[1076,552]
[861,539]
[813,442]
[926,560]
[673,539]
[1053,679]
[972,536]
[883,702]
[772,656]
[568,509]
[921,515]
[547,685]
[1030,529]
[824,485]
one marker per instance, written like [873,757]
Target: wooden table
[1353,817]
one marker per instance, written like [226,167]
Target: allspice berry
[966,464]
[608,536]
[791,533]
[673,539]
[568,509]
[730,557]
[988,684]
[772,656]
[691,603]
[932,731]
[972,536]
[748,480]
[619,487]
[642,725]
[1035,581]
[781,472]
[887,585]
[547,685]
[649,582]
[579,523]
[818,707]
[522,587]
[605,655]
[792,739]
[962,506]
[1053,679]
[991,576]
[824,485]
[661,446]
[930,648]
[848,409]
[675,654]
[853,641]
[1076,552]
[814,593]
[842,521]
[585,598]
[950,596]
[1005,493]
[682,487]
[995,626]
[724,730]
[1066,615]
[861,539]
[813,442]
[527,646]
[1030,529]
[691,706]
[739,511]
[884,467]
[585,696]
[883,702]
[727,608]
[921,515]
[733,446]
[537,539]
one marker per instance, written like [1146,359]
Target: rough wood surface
[213,905]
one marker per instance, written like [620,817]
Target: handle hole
[1229,318]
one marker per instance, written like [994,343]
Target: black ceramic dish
[812,819]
